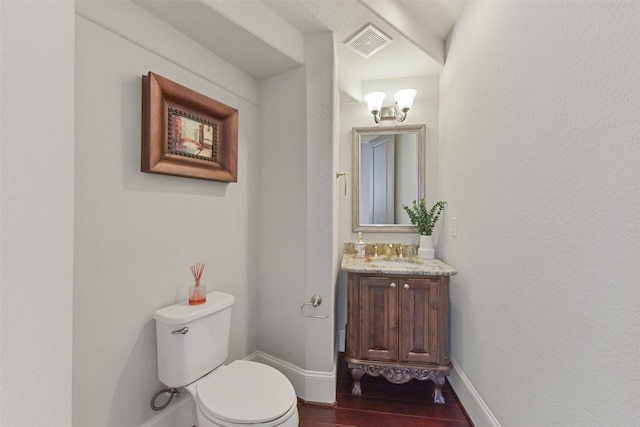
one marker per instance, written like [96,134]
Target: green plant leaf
[423,218]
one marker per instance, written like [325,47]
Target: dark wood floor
[384,404]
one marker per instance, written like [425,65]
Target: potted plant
[426,220]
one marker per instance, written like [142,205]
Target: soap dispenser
[360,247]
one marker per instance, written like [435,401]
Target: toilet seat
[244,393]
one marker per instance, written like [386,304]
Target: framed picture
[185,133]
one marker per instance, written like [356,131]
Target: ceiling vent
[368,41]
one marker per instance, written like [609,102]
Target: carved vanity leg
[356,374]
[437,395]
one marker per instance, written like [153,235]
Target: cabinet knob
[393,285]
[406,286]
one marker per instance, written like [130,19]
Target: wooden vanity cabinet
[397,326]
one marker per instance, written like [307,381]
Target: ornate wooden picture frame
[185,133]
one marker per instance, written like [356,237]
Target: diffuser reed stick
[197,270]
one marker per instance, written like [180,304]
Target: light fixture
[404,101]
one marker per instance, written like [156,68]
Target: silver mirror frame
[421,132]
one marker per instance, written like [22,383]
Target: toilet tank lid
[182,312]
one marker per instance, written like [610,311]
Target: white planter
[426,251]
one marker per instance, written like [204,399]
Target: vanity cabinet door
[397,327]
[379,318]
[419,320]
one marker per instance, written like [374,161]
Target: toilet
[193,343]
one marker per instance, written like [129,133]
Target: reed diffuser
[198,292]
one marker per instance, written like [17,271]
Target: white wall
[282,221]
[539,151]
[36,212]
[136,234]
[320,234]
[296,253]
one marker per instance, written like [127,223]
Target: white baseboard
[180,413]
[477,410]
[311,386]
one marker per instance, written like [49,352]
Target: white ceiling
[418,29]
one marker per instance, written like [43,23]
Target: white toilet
[193,343]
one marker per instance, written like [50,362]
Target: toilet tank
[192,340]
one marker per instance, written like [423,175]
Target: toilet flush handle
[180,331]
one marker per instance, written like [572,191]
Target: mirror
[388,171]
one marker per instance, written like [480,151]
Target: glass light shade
[374,100]
[404,98]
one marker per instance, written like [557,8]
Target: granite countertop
[396,265]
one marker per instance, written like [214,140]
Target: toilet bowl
[245,393]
